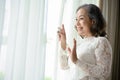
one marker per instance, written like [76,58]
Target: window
[59,11]
[54,17]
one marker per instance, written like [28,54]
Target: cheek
[87,29]
[86,26]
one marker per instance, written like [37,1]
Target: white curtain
[25,57]
[26,33]
[2,13]
[2,9]
[69,15]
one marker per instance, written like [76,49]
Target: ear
[93,21]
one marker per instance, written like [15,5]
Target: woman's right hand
[62,36]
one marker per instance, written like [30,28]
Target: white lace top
[94,60]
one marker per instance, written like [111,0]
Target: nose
[77,23]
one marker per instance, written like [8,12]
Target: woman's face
[83,23]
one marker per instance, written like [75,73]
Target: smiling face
[83,23]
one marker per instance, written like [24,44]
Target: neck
[88,35]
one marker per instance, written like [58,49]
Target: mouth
[79,28]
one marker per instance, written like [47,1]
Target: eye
[76,19]
[81,18]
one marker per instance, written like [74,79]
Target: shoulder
[103,42]
[102,39]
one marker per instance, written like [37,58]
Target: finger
[74,47]
[63,29]
[59,30]
[62,26]
[69,50]
[59,35]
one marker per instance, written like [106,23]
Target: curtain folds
[111,14]
[2,13]
[26,36]
[116,55]
[69,15]
[25,58]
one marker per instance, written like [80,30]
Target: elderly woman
[92,59]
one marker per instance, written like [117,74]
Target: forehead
[81,12]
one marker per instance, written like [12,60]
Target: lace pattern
[103,56]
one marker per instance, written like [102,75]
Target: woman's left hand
[72,52]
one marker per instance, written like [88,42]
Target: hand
[72,52]
[62,36]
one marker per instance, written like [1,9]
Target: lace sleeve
[103,54]
[63,58]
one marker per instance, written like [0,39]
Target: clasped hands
[62,38]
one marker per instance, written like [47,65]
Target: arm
[103,61]
[63,58]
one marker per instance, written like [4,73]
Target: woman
[92,59]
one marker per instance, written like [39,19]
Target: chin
[80,33]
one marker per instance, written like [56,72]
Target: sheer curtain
[69,15]
[26,41]
[25,33]
[2,8]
